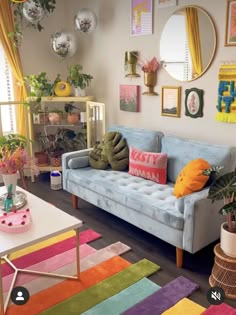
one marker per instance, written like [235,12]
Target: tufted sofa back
[180,151]
[142,139]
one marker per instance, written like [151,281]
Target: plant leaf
[223,187]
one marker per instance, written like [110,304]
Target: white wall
[102,55]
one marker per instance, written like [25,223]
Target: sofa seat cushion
[142,195]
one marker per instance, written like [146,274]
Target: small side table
[223,274]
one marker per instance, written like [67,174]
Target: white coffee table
[48,221]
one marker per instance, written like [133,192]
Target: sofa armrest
[181,202]
[75,154]
[196,196]
[202,221]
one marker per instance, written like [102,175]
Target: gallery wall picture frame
[130,98]
[230,28]
[166,3]
[171,101]
[141,17]
[194,102]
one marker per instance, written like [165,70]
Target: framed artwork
[141,17]
[171,101]
[130,98]
[166,3]
[230,29]
[194,102]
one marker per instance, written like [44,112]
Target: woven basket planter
[55,161]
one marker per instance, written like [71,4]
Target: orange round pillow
[191,178]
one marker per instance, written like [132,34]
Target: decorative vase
[62,89]
[228,240]
[79,91]
[150,80]
[73,118]
[9,179]
[130,63]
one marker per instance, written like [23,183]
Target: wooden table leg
[77,253]
[1,292]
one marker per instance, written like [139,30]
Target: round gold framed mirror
[188,43]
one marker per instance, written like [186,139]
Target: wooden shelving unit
[95,120]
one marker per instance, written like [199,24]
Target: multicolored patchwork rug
[108,284]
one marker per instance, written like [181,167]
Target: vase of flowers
[14,159]
[10,179]
[149,67]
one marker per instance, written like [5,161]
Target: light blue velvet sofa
[188,223]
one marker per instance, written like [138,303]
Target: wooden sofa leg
[74,201]
[179,257]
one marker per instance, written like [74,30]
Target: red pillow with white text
[148,165]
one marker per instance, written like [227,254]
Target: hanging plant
[33,11]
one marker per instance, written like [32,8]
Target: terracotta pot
[228,241]
[55,118]
[73,118]
[42,158]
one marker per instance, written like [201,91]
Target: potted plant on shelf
[42,155]
[224,188]
[55,116]
[78,79]
[72,117]
[40,85]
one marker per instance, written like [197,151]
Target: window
[179,63]
[7,112]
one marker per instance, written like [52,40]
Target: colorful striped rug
[108,283]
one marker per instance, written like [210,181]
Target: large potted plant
[224,188]
[78,79]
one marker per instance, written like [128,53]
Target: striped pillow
[148,165]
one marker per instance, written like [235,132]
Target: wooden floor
[197,267]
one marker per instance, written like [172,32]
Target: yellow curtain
[194,40]
[7,26]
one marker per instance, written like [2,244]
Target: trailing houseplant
[33,10]
[40,85]
[77,78]
[224,188]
